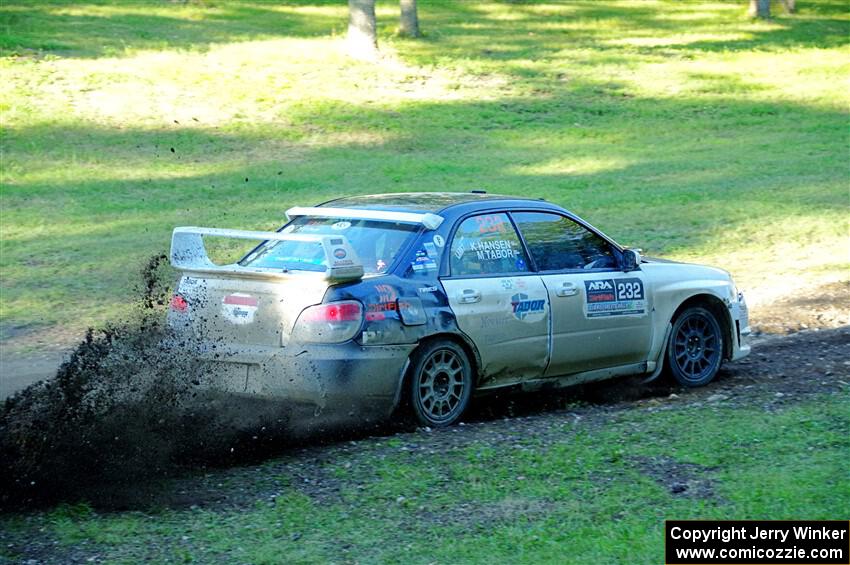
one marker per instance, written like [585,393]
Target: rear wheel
[440,383]
[695,350]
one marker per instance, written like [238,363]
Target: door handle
[469,296]
[566,289]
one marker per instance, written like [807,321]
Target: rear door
[600,315]
[498,303]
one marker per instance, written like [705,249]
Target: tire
[440,383]
[695,349]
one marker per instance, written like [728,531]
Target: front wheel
[695,350]
[440,383]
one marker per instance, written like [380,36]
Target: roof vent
[478,191]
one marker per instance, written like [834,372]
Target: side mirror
[631,260]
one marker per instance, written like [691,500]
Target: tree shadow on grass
[525,31]
[97,30]
[501,31]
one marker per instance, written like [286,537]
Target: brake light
[329,323]
[179,303]
[334,313]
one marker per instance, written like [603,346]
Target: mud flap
[659,364]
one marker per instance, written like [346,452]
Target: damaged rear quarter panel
[413,282]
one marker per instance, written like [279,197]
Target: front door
[600,315]
[498,303]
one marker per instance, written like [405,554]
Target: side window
[557,243]
[487,244]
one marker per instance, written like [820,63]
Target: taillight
[334,313]
[179,303]
[329,323]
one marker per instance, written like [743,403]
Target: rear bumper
[739,314]
[344,378]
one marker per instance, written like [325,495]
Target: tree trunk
[790,5]
[760,8]
[362,38]
[409,19]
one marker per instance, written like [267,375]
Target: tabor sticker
[528,309]
[439,240]
[341,225]
[610,297]
[239,308]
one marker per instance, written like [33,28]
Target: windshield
[376,244]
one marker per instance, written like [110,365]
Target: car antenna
[478,191]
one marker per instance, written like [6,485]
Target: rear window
[376,244]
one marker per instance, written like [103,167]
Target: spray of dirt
[123,409]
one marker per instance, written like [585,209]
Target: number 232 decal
[630,290]
[614,297]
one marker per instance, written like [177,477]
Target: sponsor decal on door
[614,297]
[528,309]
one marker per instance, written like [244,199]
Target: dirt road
[17,373]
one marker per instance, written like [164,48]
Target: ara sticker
[341,225]
[439,240]
[528,309]
[239,308]
[610,297]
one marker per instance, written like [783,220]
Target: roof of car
[419,201]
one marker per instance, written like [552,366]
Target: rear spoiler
[188,253]
[428,220]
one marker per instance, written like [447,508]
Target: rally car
[369,303]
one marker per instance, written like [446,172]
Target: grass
[680,127]
[580,491]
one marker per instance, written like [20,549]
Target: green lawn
[574,491]
[680,127]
